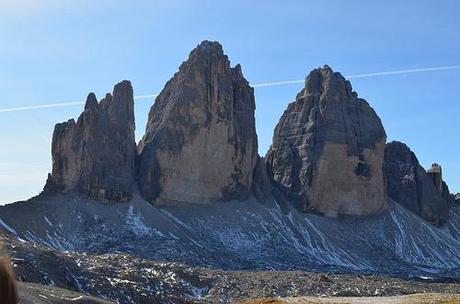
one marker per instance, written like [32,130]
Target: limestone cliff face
[327,150]
[200,144]
[96,155]
[409,184]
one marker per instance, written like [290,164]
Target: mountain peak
[96,155]
[200,144]
[91,102]
[207,50]
[210,46]
[423,193]
[326,143]
[325,80]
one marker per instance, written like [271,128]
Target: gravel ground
[429,298]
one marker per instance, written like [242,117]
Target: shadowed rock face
[409,185]
[200,144]
[96,155]
[327,150]
[455,198]
[435,173]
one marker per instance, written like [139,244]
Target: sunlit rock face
[412,187]
[96,155]
[327,150]
[200,144]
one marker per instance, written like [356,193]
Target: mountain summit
[328,149]
[96,155]
[200,144]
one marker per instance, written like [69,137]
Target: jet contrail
[275,83]
[257,85]
[145,96]
[452,67]
[43,106]
[61,104]
[5,164]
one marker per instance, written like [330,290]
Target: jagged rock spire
[96,155]
[411,186]
[200,144]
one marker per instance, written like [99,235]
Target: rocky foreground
[124,278]
[429,298]
[136,253]
[31,293]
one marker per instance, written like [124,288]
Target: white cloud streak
[276,83]
[376,74]
[453,67]
[61,104]
[137,97]
[42,106]
[257,85]
[26,165]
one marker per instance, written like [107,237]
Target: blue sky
[58,51]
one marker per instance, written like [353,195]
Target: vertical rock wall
[96,155]
[200,144]
[327,150]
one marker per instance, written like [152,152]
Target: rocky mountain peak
[435,174]
[327,150]
[200,144]
[326,81]
[96,155]
[206,54]
[208,49]
[91,102]
[411,186]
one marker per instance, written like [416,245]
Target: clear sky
[58,51]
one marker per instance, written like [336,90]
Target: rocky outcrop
[409,184]
[96,155]
[455,198]
[435,173]
[327,150]
[200,144]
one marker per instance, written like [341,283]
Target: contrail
[275,83]
[257,85]
[7,164]
[43,106]
[61,104]
[145,96]
[453,67]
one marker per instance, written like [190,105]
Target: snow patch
[136,224]
[175,219]
[48,221]
[8,227]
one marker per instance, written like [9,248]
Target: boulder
[327,150]
[200,144]
[409,184]
[96,155]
